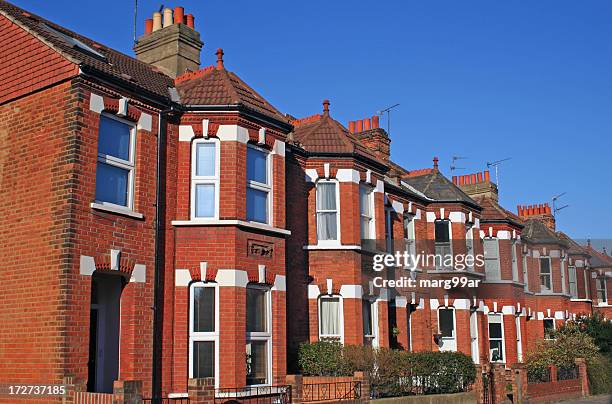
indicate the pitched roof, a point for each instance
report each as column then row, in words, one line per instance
column 492, row 211
column 537, row 232
column 436, row 186
column 90, row 55
column 574, row 247
column 217, row 86
column 598, row 259
column 322, row 134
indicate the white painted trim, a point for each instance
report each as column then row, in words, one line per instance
column 401, row 302
column 398, row 207
column 331, row 247
column 313, row 291
column 340, row 317
column 262, row 135
column 380, row 187
column 205, row 126
column 112, row 208
column 280, row 283
column 431, row 217
column 204, row 336
column 351, row 291
column 182, row 277
column 213, row 180
column 145, row 122
column 139, row 273
column 230, row 222
column 186, row 133
column 279, row 148
column 232, row 278
column 233, row 133
column 457, row 217
column 87, row 265
column 123, row 107
column 96, row 103
column 311, row 174
column 348, row 175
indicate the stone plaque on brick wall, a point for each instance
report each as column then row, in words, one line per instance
column 259, row 249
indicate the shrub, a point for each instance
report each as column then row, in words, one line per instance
column 392, row 372
column 600, row 375
column 597, row 327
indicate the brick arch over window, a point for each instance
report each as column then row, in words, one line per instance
column 112, row 105
column 103, row 264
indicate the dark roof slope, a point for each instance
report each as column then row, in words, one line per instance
column 574, row 247
column 598, row 259
column 436, row 186
column 98, row 58
column 492, row 211
column 217, row 86
column 538, row 233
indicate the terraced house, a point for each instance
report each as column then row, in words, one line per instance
column 164, row 222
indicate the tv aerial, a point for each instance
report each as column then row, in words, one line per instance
column 388, row 112
column 496, row 164
column 556, row 208
column 454, row 159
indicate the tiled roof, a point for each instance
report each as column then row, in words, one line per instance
column 436, row 186
column 535, row 231
column 323, row 134
column 574, row 247
column 217, row 86
column 598, row 259
column 491, row 210
column 111, row 63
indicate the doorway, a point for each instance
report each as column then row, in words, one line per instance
column 104, row 323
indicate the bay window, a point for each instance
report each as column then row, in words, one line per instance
column 513, row 245
column 259, row 335
column 409, row 238
column 259, row 185
column 366, row 208
column 572, row 281
column 497, row 346
column 545, row 275
column 116, row 162
column 330, row 318
column 327, row 210
column 491, row 257
column 205, row 179
column 203, row 331
column 602, row 295
column 442, row 243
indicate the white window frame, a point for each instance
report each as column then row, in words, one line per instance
column 336, row 241
column 371, row 219
column 204, row 336
column 410, row 236
column 268, row 188
column 488, row 272
column 389, row 242
column 446, row 247
column 598, row 282
column 374, row 311
column 519, row 339
column 514, row 257
column 474, row 339
column 469, row 246
column 338, row 337
column 497, row 318
column 573, row 286
column 453, row 337
column 542, row 287
column 587, row 289
column 205, row 180
column 129, row 165
column 526, row 272
column 553, row 323
column 562, row 267
column 263, row 336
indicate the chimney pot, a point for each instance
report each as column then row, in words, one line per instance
column 360, row 125
column 220, row 54
column 367, row 124
column 190, row 21
column 352, row 126
column 518, row 210
column 487, row 176
column 479, row 177
column 148, row 25
column 547, row 209
column 455, row 179
column 375, row 122
column 325, row 107
column 157, row 21
column 461, row 179
column 435, row 163
column 473, row 178
column 167, row 17
column 179, row 15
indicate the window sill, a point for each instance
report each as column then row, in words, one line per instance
column 603, row 305
column 224, row 222
column 331, row 247
column 116, row 209
column 575, row 299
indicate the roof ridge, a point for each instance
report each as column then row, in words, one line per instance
column 187, row 76
column 306, row 120
column 419, row 172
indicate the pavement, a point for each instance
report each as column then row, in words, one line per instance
column 603, row 399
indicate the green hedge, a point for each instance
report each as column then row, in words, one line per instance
column 392, row 372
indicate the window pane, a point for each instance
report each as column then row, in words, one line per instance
column 114, row 138
column 205, row 200
column 365, row 228
column 256, row 362
column 257, row 205
column 330, row 317
column 205, row 159
column 112, row 184
column 446, row 318
column 203, row 359
column 544, row 265
column 364, row 200
column 495, row 330
column 256, row 310
column 367, row 317
column 491, row 248
column 441, row 231
column 256, row 165
column 327, row 226
column 203, row 309
column 497, row 353
column 326, row 196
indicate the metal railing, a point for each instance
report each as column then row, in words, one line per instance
column 333, row 391
column 254, row 395
column 570, row 373
column 540, row 376
column 166, row 400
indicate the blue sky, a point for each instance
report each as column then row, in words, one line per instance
column 531, row 80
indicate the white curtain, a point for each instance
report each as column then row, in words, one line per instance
column 327, row 227
column 330, row 316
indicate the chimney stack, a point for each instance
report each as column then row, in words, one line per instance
column 170, row 42
column 352, row 126
column 372, row 136
column 541, row 212
column 360, row 125
column 477, row 185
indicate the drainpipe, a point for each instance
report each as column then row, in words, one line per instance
column 160, row 245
